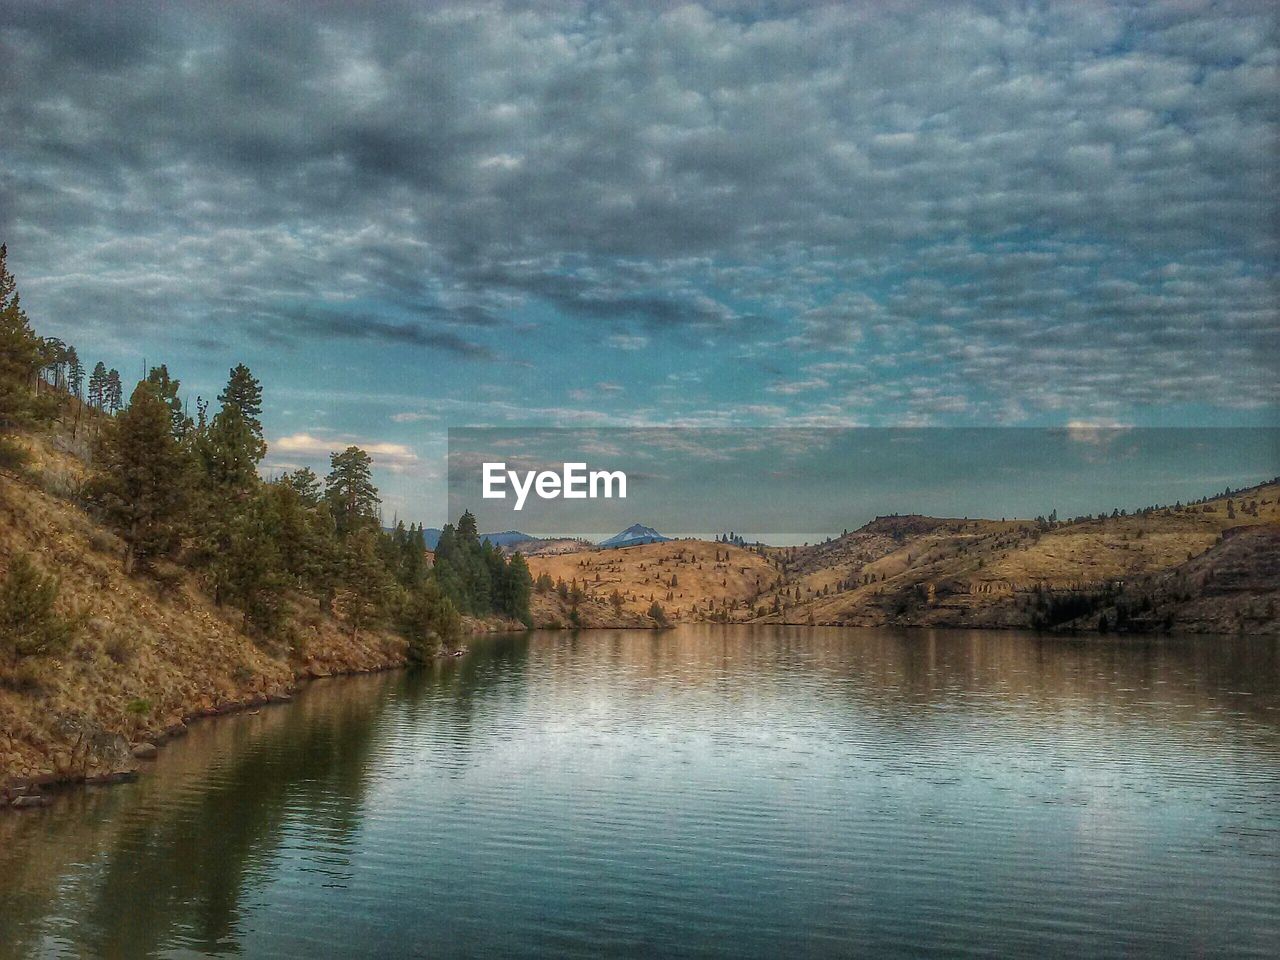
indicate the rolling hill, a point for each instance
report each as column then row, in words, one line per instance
column 1213, row 566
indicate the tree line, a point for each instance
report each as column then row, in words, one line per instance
column 185, row 492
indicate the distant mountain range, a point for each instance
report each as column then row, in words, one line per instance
column 506, row 538
column 633, row 536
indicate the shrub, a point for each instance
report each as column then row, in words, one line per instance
column 12, row 457
column 28, row 623
column 104, row 542
column 21, row 677
column 63, row 484
column 120, row 649
column 169, row 579
column 659, row 615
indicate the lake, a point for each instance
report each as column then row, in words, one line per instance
column 706, row 791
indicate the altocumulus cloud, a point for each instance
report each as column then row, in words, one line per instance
column 307, row 448
column 996, row 210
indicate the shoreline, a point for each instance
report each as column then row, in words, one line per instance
column 34, row 792
column 27, row 793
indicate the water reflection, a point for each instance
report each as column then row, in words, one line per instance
column 708, row 790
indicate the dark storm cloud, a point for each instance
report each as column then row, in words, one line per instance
column 1068, row 206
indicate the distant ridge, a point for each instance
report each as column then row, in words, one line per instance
column 634, row 536
column 505, row 538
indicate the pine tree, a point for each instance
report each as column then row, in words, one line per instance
column 113, row 391
column 518, row 585
column 250, row 570
column 166, row 390
column 53, row 361
column 142, row 479
column 366, row 583
column 467, row 532
column 305, row 483
column 349, row 489
column 245, row 393
column 98, row 386
column 20, row 358
column 304, row 537
column 28, row 623
column 658, row 615
column 75, row 374
column 429, row 621
column 228, row 452
column 414, row 560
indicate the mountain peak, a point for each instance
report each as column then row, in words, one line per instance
column 634, row 535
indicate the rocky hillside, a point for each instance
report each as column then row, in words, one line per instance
column 1210, row 567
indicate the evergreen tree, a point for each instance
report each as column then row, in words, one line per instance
column 349, row 489
column 467, row 532
column 166, row 390
column 658, row 615
column 304, row 537
column 113, row 391
column 20, row 358
column 305, row 484
column 464, row 567
column 250, row 570
column 75, row 374
column 141, row 483
column 429, row 621
column 245, row 393
column 229, row 452
column 28, row 623
column 75, row 383
column 413, row 563
column 516, row 585
column 53, row 361
column 98, row 386
column 366, row 583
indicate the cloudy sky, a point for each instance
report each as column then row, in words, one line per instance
column 406, row 217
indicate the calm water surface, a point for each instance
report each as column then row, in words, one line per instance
column 709, row 791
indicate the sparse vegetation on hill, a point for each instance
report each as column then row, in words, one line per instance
column 147, row 571
column 1150, row 570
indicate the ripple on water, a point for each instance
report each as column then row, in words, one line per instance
column 706, row 792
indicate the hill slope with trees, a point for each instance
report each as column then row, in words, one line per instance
column 149, row 573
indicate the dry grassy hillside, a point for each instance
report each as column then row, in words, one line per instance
column 690, row 579
column 150, row 652
column 976, row 573
column 947, row 572
column 547, row 547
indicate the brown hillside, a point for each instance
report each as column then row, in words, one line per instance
column 147, row 656
column 709, row 578
column 918, row 570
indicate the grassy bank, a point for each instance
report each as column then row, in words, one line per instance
column 149, row 652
